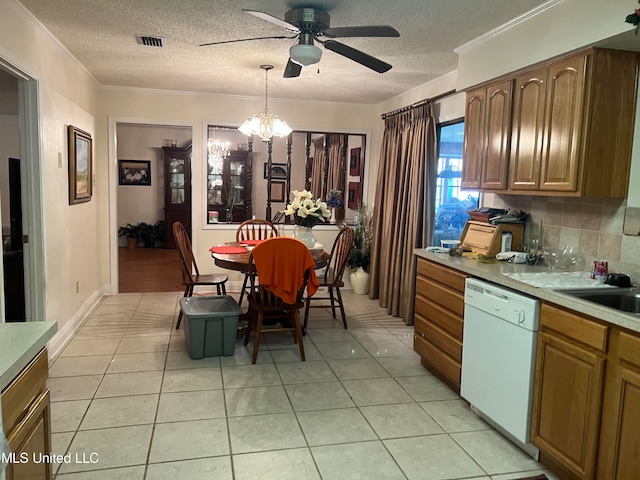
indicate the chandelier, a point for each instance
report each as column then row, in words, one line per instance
column 265, row 124
column 218, row 148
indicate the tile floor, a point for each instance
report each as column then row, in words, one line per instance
column 360, row 407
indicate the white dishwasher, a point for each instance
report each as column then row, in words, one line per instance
column 498, row 358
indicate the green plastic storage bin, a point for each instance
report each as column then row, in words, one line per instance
column 210, row 325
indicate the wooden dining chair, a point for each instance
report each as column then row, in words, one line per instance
column 254, row 229
column 188, row 266
column 332, row 276
column 286, row 270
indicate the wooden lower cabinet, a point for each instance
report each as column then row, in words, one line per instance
column 27, row 422
column 619, row 456
column 586, row 405
column 438, row 320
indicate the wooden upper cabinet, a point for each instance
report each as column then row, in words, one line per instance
column 487, row 131
column 528, row 125
column 565, row 108
column 474, row 138
column 571, row 131
column 498, row 127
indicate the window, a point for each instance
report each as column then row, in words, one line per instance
column 452, row 203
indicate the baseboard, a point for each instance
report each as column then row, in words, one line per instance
column 62, row 338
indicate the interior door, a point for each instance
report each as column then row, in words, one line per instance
column 12, row 257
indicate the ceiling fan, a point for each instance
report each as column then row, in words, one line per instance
column 312, row 25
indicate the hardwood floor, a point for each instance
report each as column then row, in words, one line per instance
column 149, row 270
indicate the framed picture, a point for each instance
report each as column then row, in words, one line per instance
column 277, row 191
column 353, row 199
column 354, row 162
column 278, row 171
column 80, row 147
column 134, row 172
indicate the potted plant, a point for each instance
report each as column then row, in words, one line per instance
column 152, row 236
column 132, row 232
column 360, row 256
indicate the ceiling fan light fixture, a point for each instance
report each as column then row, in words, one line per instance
column 265, row 124
column 304, row 54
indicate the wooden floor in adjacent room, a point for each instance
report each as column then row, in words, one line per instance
column 149, row 270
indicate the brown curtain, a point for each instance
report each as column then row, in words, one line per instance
column 317, row 167
column 336, row 170
column 404, row 201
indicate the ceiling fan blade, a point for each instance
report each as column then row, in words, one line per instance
column 272, row 19
column 244, row 40
column 357, row 56
column 367, row 31
column 292, row 70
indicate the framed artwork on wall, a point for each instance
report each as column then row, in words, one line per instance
column 277, row 191
column 278, row 171
column 134, row 172
column 80, row 154
column 353, row 199
column 354, row 162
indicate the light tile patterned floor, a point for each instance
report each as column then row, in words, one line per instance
column 360, row 407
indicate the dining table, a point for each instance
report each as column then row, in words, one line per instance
column 235, row 256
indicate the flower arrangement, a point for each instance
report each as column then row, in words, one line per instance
column 335, row 199
column 634, row 19
column 305, row 210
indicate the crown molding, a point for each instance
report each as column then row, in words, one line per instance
column 510, row 24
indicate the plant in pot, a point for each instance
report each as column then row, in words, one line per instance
column 360, row 255
column 152, row 236
column 132, row 232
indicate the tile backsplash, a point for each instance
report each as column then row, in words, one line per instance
column 603, row 229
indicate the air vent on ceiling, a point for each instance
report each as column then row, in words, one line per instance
column 149, row 41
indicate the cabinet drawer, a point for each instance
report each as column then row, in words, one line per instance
column 629, row 348
column 23, row 391
column 440, row 274
column 438, row 359
column 441, row 339
column 574, row 326
column 444, row 318
column 440, row 294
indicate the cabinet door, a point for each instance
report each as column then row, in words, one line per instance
column 527, row 130
column 564, row 111
column 620, row 437
column 474, row 139
column 566, row 404
column 31, row 438
column 498, row 131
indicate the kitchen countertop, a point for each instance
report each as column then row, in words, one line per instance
column 19, row 344
column 496, row 273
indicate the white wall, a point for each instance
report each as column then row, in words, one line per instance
column 202, row 109
column 66, row 97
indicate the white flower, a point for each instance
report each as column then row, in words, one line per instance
column 307, row 208
column 303, row 195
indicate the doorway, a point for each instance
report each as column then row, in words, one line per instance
column 133, row 139
column 22, row 296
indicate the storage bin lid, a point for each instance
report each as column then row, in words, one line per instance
column 213, row 306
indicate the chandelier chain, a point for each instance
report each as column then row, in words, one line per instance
column 266, row 89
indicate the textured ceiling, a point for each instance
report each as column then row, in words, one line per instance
column 101, row 35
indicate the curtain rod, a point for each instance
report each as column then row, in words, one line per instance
column 418, row 104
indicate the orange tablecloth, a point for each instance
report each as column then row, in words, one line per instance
column 227, row 249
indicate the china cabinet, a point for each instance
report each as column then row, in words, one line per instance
column 177, row 191
column 229, row 187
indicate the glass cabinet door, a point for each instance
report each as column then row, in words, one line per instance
column 177, row 181
column 215, row 180
column 236, row 177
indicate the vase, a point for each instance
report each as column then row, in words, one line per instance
column 359, row 280
column 333, row 215
column 305, row 235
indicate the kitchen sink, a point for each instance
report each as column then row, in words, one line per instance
column 623, row 299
